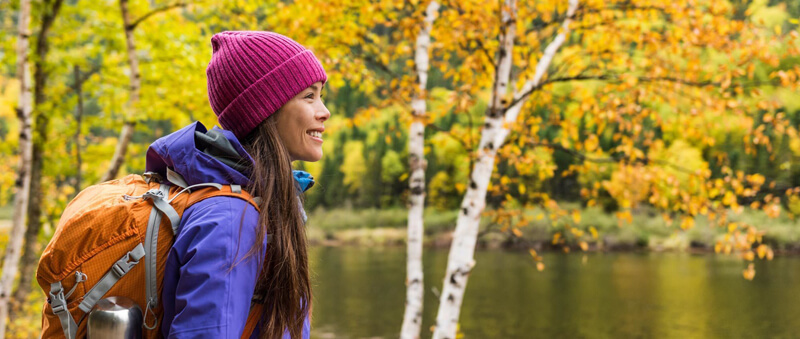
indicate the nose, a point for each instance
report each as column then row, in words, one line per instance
column 323, row 113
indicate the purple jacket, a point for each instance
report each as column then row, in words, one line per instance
column 205, row 295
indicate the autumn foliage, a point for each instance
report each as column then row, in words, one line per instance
column 685, row 109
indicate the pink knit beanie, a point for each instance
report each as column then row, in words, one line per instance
column 252, row 74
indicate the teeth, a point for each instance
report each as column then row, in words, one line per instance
column 316, row 134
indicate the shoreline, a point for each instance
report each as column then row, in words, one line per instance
column 395, row 238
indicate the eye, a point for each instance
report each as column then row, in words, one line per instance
column 310, row 96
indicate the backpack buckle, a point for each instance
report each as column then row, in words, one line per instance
column 124, row 264
column 152, row 176
column 154, row 194
column 57, row 308
column 118, row 269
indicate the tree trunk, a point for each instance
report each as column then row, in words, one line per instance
column 498, row 122
column 126, row 134
column 412, row 318
column 22, row 185
column 460, row 259
column 30, row 254
column 78, row 122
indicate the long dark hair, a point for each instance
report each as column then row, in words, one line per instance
column 283, row 285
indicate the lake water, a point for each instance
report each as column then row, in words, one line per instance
column 360, row 292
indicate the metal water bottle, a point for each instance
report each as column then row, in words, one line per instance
column 115, row 318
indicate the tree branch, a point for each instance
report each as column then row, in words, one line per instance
column 611, row 159
column 611, row 77
column 621, row 7
column 154, row 12
column 84, row 76
column 361, row 54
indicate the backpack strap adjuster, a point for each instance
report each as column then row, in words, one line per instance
column 130, row 259
column 59, row 307
column 117, row 271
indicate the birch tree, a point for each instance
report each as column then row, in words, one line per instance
column 125, row 135
column 22, row 186
column 41, row 126
column 593, row 41
column 460, row 259
column 412, row 317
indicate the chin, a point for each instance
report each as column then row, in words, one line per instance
column 311, row 157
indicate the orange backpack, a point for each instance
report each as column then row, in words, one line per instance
column 112, row 240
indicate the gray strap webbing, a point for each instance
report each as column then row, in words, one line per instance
column 151, row 256
column 160, row 202
column 176, row 178
column 117, row 271
column 59, row 305
column 236, row 188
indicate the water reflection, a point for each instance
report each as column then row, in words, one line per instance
column 360, row 292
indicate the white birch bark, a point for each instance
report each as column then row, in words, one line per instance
column 126, row 134
column 412, row 317
column 25, row 113
column 498, row 122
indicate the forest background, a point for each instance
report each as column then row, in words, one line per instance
column 628, row 145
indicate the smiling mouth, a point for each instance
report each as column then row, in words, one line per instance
column 315, row 134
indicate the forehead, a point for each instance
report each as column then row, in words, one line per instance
column 316, row 86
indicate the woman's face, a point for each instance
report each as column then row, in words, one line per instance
column 300, row 124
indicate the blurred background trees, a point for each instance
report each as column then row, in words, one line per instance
column 687, row 111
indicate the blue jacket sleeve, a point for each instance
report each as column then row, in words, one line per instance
column 208, row 281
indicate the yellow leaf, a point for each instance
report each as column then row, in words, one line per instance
column 625, row 216
column 729, row 199
column 540, row 266
column 777, row 29
column 732, row 227
column 576, row 216
column 749, row 256
column 750, row 272
column 556, row 237
column 584, row 246
column 521, row 189
column 687, row 223
column 591, row 143
column 762, row 251
column 593, row 231
column 516, row 232
column 532, row 252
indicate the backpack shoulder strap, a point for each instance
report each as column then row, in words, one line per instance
column 226, row 190
column 252, row 320
column 256, row 310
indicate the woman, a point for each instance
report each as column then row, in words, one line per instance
column 265, row 90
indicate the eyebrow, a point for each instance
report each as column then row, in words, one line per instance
column 314, row 87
